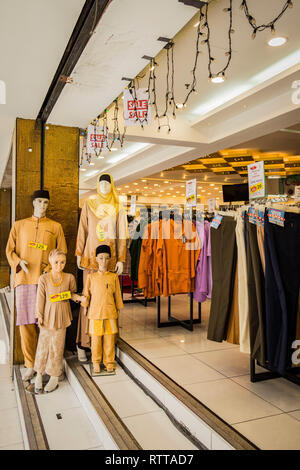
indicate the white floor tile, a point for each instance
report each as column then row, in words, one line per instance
column 4, row 371
column 185, row 369
column 152, row 348
column 107, row 379
column 279, row 392
column 18, row 446
column 274, row 433
column 10, row 428
column 128, row 399
column 198, row 342
column 230, row 401
column 73, row 432
column 217, row 443
column 229, row 362
column 295, row 414
column 155, row 431
column 61, row 399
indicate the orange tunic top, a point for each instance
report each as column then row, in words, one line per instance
column 29, row 231
column 103, row 296
column 93, row 231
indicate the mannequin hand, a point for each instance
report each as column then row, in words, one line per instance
column 78, row 298
column 41, row 322
column 78, row 263
column 119, row 267
column 23, row 264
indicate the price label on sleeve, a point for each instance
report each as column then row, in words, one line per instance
column 59, row 297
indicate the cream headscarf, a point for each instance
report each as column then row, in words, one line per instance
column 105, row 204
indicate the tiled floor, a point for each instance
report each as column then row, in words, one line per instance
column 217, row 374
column 144, row 418
column 10, row 427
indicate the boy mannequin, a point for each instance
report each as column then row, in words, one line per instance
column 104, row 299
column 29, row 244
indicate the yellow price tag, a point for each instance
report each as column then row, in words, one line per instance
column 256, row 187
column 191, row 198
column 59, row 297
column 100, row 233
column 38, row 246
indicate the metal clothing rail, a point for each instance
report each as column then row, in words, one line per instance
column 172, row 321
column 135, row 300
column 293, row 374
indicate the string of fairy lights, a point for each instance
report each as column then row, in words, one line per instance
column 169, row 104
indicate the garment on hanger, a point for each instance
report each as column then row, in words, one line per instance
column 256, row 295
column 282, row 252
column 224, row 254
column 203, row 280
column 233, row 334
column 244, row 332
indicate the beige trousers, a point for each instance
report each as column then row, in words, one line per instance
column 242, row 286
column 50, row 352
column 103, row 347
column 29, row 339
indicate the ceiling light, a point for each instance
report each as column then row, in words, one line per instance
column 126, row 186
column 135, row 184
column 144, row 181
column 161, row 191
column 274, row 177
column 182, row 186
column 177, row 192
column 168, row 194
column 217, row 79
column 155, row 184
column 118, row 189
column 212, row 184
column 275, row 42
column 166, row 182
column 29, row 149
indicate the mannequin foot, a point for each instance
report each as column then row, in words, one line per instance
column 52, row 384
column 110, row 368
column 29, row 374
column 38, row 386
column 96, row 368
column 81, row 355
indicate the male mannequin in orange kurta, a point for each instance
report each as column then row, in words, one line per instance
column 29, row 244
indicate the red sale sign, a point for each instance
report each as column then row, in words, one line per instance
column 95, row 139
column 136, row 107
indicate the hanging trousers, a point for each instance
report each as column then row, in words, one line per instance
column 282, row 252
column 256, row 295
column 224, row 255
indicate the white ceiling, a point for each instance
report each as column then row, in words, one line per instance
column 253, row 101
column 33, row 37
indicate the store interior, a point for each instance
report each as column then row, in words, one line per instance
column 218, row 124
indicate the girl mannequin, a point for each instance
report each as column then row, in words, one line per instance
column 54, row 316
column 104, row 299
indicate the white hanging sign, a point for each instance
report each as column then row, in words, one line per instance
column 136, row 111
column 96, row 139
column 256, row 180
column 191, row 193
column 133, row 205
column 297, row 194
column 211, row 205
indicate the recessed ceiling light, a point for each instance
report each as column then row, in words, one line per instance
column 182, row 186
column 144, row 181
column 275, row 42
column 166, row 182
column 29, row 149
column 171, row 188
column 135, row 184
column 126, row 186
column 155, row 184
column 217, row 79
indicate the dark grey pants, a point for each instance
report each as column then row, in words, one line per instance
column 224, row 255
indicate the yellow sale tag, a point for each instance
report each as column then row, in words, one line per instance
column 59, row 297
column 100, row 233
column 39, row 246
column 191, row 198
column 256, row 187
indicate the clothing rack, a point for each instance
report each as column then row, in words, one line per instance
column 293, row 374
column 172, row 321
column 134, row 300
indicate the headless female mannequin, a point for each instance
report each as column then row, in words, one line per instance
column 102, row 220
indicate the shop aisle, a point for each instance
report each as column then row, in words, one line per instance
column 217, row 374
column 10, row 426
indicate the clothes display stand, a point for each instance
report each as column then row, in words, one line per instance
column 172, row 321
column 293, row 374
column 134, row 300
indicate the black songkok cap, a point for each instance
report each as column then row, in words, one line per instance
column 41, row 193
column 105, row 177
column 103, row 249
